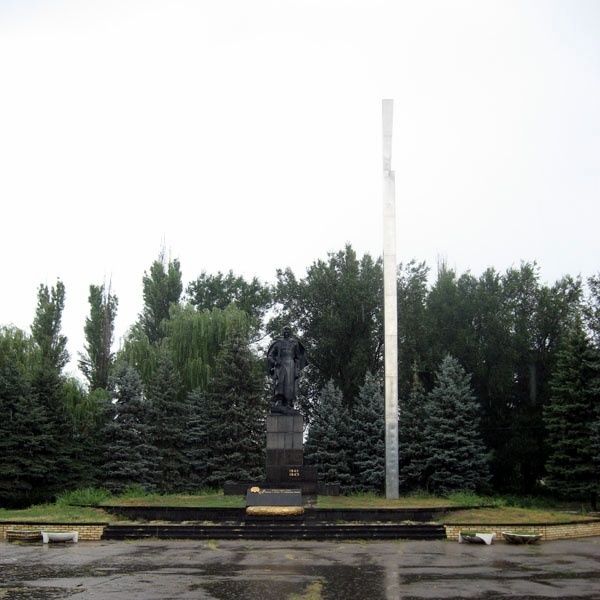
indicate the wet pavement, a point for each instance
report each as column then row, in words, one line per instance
column 228, row 570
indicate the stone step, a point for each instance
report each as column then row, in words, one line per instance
column 272, row 531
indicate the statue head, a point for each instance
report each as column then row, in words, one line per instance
column 287, row 332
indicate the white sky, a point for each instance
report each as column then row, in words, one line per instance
column 246, row 135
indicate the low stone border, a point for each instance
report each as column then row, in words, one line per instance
column 549, row 531
column 87, row 531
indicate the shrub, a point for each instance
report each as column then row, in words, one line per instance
column 88, row 496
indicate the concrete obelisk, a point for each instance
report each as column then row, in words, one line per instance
column 390, row 306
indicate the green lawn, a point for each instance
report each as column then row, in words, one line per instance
column 510, row 514
column 56, row 513
column 495, row 510
column 205, row 500
column 376, row 501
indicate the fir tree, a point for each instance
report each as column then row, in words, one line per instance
column 595, row 448
column 328, row 443
column 571, row 417
column 412, row 441
column 198, row 451
column 368, row 434
column 456, row 455
column 234, row 409
column 128, row 456
column 168, row 421
column 24, row 425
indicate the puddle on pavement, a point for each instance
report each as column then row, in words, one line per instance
column 287, row 582
column 32, row 593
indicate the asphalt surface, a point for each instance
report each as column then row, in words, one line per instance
column 227, row 570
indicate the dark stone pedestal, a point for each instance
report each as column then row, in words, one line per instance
column 285, row 455
column 274, row 497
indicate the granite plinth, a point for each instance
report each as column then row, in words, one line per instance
column 280, row 440
column 285, row 424
column 285, row 454
column 278, row 457
column 274, row 497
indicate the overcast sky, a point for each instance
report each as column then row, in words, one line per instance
column 246, row 135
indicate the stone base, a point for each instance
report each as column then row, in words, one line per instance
column 274, row 497
column 282, row 457
column 285, row 454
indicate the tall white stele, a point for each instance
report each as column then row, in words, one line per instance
column 390, row 306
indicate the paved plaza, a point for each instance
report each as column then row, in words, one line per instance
column 228, row 570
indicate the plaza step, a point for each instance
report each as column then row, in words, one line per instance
column 277, row 531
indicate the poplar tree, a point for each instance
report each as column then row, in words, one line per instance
column 162, row 288
column 54, row 453
column 456, row 455
column 368, row 437
column 328, row 442
column 96, row 361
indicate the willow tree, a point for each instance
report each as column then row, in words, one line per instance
column 192, row 339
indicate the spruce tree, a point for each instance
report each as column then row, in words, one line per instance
column 24, row 425
column 128, row 456
column 595, row 448
column 570, row 418
column 198, row 450
column 168, row 421
column 234, row 409
column 412, row 440
column 328, row 443
column 456, row 455
column 368, row 436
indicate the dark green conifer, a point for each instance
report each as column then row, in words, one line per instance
column 198, row 450
column 328, row 443
column 234, row 409
column 570, row 418
column 412, row 440
column 169, row 416
column 368, row 437
column 129, row 459
column 24, row 425
column 456, row 455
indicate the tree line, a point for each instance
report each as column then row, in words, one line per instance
column 499, row 382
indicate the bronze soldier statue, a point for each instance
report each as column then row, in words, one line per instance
column 286, row 358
